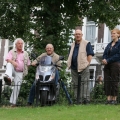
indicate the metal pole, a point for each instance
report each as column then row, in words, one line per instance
column 79, row 88
column 0, row 89
column 37, row 91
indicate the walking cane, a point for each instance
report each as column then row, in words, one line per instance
column 66, row 92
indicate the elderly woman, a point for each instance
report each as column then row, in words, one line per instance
column 111, row 60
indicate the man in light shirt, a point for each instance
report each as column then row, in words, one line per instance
column 17, row 67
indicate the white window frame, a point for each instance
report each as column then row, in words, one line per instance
column 93, row 35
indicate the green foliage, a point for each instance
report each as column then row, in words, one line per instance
column 6, row 95
column 105, row 11
column 97, row 94
column 118, row 97
column 52, row 20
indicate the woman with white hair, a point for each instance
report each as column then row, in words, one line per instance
column 17, row 67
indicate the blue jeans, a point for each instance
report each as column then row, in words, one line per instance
column 33, row 87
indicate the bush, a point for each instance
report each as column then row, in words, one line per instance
column 97, row 94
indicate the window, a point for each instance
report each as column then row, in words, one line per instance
column 10, row 45
column 91, row 81
column 91, row 73
column 90, row 31
column 109, row 36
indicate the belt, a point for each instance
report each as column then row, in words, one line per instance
column 19, row 71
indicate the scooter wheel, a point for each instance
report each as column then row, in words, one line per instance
column 43, row 97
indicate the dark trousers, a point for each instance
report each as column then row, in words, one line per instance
column 111, row 78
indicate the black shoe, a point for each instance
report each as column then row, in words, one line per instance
column 85, row 101
column 108, row 102
column 7, row 80
column 114, row 102
column 29, row 104
column 13, row 105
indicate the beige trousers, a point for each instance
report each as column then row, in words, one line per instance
column 18, row 77
column 85, row 84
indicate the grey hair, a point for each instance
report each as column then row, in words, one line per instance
column 50, row 45
column 99, row 76
column 14, row 44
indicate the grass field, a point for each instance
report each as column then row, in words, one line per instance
column 56, row 112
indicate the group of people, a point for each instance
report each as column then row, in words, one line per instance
column 79, row 58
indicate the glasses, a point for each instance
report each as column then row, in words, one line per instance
column 78, row 34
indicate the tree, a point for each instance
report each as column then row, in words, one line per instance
column 53, row 20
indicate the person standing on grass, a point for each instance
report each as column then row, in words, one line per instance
column 17, row 67
column 111, row 60
column 79, row 59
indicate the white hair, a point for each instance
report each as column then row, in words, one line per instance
column 14, row 44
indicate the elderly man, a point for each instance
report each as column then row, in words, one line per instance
column 17, row 67
column 55, row 57
column 79, row 59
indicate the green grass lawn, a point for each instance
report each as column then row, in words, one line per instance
column 56, row 112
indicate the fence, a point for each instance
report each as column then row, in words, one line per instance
column 6, row 91
column 89, row 90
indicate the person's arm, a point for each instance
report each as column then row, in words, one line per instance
column 104, row 61
column 28, row 62
column 36, row 61
column 90, row 52
column 12, row 62
column 59, row 64
column 89, row 58
column 115, row 57
column 55, row 59
column 9, row 59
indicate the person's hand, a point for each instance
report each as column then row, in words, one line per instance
column 104, row 61
column 33, row 64
column 14, row 64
